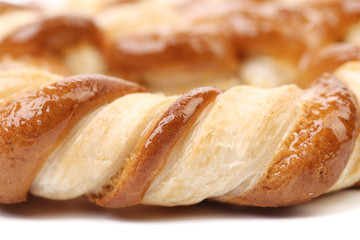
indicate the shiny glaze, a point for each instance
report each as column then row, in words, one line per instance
column 50, row 35
column 182, row 51
column 130, row 184
column 255, row 27
column 327, row 60
column 237, row 27
column 278, row 30
column 33, row 124
column 312, row 157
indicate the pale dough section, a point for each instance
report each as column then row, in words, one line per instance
column 229, row 147
column 267, row 72
column 84, row 58
column 98, row 147
column 353, row 35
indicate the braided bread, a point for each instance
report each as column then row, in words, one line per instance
column 82, row 136
column 178, row 45
column 65, row 135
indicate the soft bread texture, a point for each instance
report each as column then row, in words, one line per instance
column 267, row 72
column 130, row 184
column 98, row 147
column 101, row 137
column 219, row 154
column 303, row 167
column 248, row 146
column 33, row 123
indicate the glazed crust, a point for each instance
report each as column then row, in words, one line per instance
column 312, row 157
column 238, row 28
column 179, row 46
column 215, row 38
column 129, row 185
column 143, row 53
column 327, row 60
column 33, row 124
column 307, row 162
column 51, row 35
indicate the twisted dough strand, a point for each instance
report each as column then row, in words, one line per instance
column 146, row 148
column 188, row 43
column 130, row 184
column 33, row 124
column 310, row 161
column 203, row 33
column 248, row 146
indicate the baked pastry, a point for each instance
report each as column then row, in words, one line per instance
column 173, row 46
column 156, row 40
column 65, row 135
column 265, row 147
column 35, row 37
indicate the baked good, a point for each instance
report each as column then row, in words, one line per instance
column 173, row 46
column 65, row 135
column 247, row 145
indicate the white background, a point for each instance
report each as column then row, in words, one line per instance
column 334, row 215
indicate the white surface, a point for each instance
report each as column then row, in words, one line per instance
column 333, row 215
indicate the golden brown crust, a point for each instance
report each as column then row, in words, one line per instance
column 129, row 185
column 51, row 35
column 43, row 43
column 225, row 31
column 253, row 27
column 236, row 27
column 198, row 50
column 308, row 26
column 327, row 60
column 32, row 125
column 312, row 157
